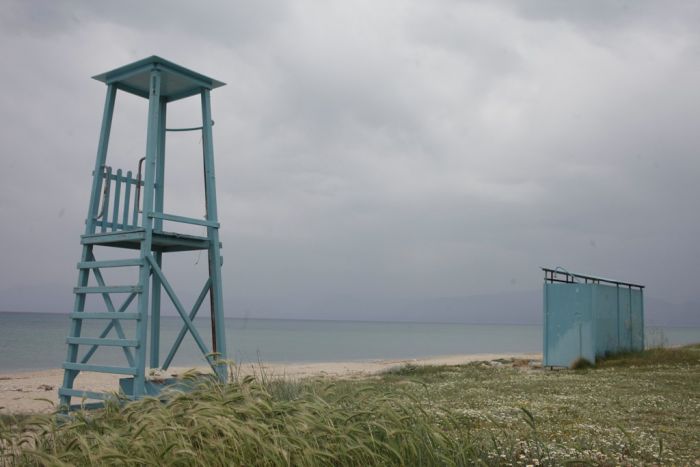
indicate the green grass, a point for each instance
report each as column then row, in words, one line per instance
column 688, row 355
column 244, row 424
column 635, row 408
column 631, row 409
column 12, row 419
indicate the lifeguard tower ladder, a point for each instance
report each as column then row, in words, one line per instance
column 134, row 221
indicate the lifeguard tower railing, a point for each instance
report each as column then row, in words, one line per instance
column 588, row 316
column 120, row 220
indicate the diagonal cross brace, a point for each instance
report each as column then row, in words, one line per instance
column 114, row 323
column 195, row 309
column 109, row 327
column 181, row 310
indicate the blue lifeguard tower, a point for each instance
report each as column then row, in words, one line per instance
column 126, row 212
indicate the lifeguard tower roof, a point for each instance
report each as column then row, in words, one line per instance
column 177, row 82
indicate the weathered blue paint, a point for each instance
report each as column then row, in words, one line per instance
column 180, row 82
column 215, row 259
column 108, row 289
column 100, row 368
column 184, row 220
column 162, row 241
column 119, row 218
column 589, row 317
column 110, row 308
column 181, row 310
column 158, row 225
column 152, row 137
column 127, row 198
column 114, row 263
column 103, row 315
column 155, row 387
column 83, row 275
column 183, row 331
column 107, row 342
column 85, row 394
column 104, row 212
column 117, row 198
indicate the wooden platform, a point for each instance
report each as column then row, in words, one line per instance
column 162, row 241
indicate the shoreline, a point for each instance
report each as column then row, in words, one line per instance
column 22, row 391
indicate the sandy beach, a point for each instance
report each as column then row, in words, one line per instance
column 35, row 391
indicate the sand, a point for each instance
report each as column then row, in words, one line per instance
column 36, row 391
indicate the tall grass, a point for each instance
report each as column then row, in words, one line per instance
column 243, row 424
column 628, row 410
column 686, row 355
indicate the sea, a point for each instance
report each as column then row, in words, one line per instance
column 36, row 341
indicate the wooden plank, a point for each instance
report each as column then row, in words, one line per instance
column 137, row 200
column 116, row 227
column 108, row 289
column 162, row 241
column 100, row 368
column 114, row 323
column 101, row 396
column 105, row 332
column 181, row 310
column 182, row 241
column 107, row 342
column 79, row 304
column 193, row 314
column 87, row 406
column 105, row 200
column 136, row 235
column 117, row 198
column 127, row 200
column 215, row 294
column 128, row 234
column 114, row 263
column 184, row 220
column 104, row 315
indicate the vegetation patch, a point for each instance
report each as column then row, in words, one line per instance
column 687, row 355
column 582, row 364
column 632, row 409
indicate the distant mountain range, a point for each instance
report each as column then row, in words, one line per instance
column 523, row 307
column 506, row 308
column 526, row 308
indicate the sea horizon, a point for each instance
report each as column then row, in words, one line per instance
column 36, row 340
column 386, row 321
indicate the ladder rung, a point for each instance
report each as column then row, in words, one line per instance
column 108, row 289
column 98, row 341
column 100, row 368
column 88, row 406
column 102, row 396
column 116, row 263
column 104, row 315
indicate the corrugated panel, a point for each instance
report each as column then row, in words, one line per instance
column 637, row 318
column 589, row 321
column 569, row 333
column 624, row 320
column 605, row 316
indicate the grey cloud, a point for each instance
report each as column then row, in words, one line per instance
column 594, row 17
column 229, row 23
column 393, row 151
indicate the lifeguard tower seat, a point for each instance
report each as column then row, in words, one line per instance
column 127, row 212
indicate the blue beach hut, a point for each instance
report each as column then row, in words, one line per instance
column 586, row 317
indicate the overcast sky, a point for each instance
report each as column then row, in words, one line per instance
column 370, row 150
